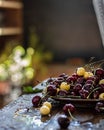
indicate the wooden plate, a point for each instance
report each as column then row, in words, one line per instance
column 79, row 102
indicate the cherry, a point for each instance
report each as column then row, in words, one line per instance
column 101, row 81
column 68, row 107
column 51, row 90
column 91, row 78
column 63, row 121
column 97, row 78
column 101, row 95
column 101, row 86
column 81, row 80
column 73, row 93
column 75, row 76
column 49, row 80
column 96, row 94
column 83, row 93
column 77, row 87
column 89, row 82
column 99, row 72
column 36, row 100
column 62, row 92
column 58, row 81
column 63, row 75
column 70, row 79
column 88, row 87
column 55, row 83
column 99, row 106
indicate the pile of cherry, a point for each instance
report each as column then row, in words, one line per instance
column 82, row 84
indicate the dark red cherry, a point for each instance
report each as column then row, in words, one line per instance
column 59, row 80
column 99, row 72
column 51, row 90
column 75, row 76
column 94, row 80
column 91, row 78
column 96, row 94
column 55, row 83
column 63, row 75
column 63, row 121
column 77, row 87
column 97, row 79
column 68, row 107
column 81, row 80
column 62, row 93
column 99, row 106
column 88, row 87
column 36, row 100
column 84, row 93
column 101, row 86
column 50, row 80
column 70, row 79
column 73, row 93
column 89, row 82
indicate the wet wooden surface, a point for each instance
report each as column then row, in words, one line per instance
column 21, row 114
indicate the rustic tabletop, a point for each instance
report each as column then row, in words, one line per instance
column 20, row 114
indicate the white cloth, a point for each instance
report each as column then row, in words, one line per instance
column 99, row 11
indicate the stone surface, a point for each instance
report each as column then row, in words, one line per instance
column 21, row 115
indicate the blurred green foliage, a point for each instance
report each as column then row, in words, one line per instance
column 19, row 65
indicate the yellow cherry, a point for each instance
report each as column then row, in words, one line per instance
column 80, row 71
column 48, row 104
column 44, row 110
column 65, row 86
column 101, row 81
column 88, row 74
column 101, row 96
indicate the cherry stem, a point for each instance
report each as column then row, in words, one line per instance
column 69, row 96
column 72, row 117
column 92, row 92
column 42, row 99
column 91, row 65
column 97, row 62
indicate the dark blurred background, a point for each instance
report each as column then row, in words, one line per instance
column 62, row 34
column 68, row 28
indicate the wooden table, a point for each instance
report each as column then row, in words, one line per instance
column 21, row 115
